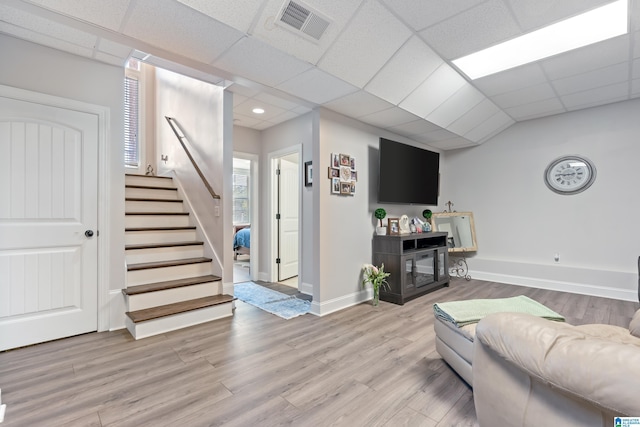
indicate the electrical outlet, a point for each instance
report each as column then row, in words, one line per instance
column 216, row 210
column 556, row 257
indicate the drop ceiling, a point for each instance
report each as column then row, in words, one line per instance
column 383, row 62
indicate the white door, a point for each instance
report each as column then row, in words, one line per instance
column 48, row 200
column 289, row 190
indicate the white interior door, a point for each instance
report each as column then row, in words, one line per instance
column 48, row 200
column 289, row 193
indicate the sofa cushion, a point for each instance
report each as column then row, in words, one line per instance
column 634, row 326
column 594, row 368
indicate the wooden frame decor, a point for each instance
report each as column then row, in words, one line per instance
column 343, row 175
column 394, row 226
column 308, row 174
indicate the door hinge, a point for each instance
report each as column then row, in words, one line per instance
column 277, row 216
column 277, row 171
column 277, row 260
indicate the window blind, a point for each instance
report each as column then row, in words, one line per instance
column 131, row 151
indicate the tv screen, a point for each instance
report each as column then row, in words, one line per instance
column 408, row 175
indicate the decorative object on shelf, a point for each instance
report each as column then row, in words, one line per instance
column 343, row 174
column 377, row 277
column 449, row 204
column 394, row 226
column 569, row 174
column 308, row 174
column 404, row 224
column 427, row 214
column 150, row 171
column 380, row 214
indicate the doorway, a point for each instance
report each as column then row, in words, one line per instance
column 245, row 217
column 286, row 217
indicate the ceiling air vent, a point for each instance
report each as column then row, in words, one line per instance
column 304, row 19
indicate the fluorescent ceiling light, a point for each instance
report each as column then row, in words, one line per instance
column 258, row 110
column 591, row 27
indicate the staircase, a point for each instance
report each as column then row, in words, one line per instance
column 170, row 284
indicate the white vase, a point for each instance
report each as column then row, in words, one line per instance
column 381, row 231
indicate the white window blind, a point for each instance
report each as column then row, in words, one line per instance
column 131, row 149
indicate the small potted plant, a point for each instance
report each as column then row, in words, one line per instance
column 377, row 277
column 380, row 214
column 427, row 214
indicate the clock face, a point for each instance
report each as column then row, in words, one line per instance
column 569, row 174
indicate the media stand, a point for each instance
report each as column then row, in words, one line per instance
column 417, row 263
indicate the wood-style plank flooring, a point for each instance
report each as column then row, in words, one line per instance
column 362, row 366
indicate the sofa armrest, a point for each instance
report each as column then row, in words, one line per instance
column 597, row 370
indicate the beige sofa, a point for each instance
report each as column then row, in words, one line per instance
column 529, row 371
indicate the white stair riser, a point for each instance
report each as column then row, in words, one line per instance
column 148, row 181
column 135, row 221
column 170, row 296
column 145, row 206
column 149, row 193
column 136, row 256
column 153, row 275
column 162, row 236
column 178, row 321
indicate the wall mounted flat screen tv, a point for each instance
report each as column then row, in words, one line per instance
column 407, row 174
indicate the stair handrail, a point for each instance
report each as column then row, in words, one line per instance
column 181, row 137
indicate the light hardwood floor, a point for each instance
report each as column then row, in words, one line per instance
column 363, row 366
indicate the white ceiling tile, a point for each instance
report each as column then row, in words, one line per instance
column 408, row 68
column 300, row 110
column 456, row 106
column 536, row 109
column 255, row 60
column 436, row 135
column 238, row 99
column 634, row 12
column 539, row 13
column 472, row 30
column 277, row 101
column 263, row 125
column 317, row 86
column 511, row 80
column 110, row 59
column 440, row 85
column 636, row 43
column 588, row 58
column 388, row 118
column 602, row 77
column 113, row 48
column 453, row 143
column 289, row 40
column 283, row 117
column 371, row 38
column 420, row 14
column 43, row 40
column 108, row 14
column 489, row 128
column 596, row 96
column 417, row 127
column 238, row 14
column 527, row 95
column 478, row 114
column 246, row 109
column 635, row 73
column 248, row 92
column 358, row 104
column 245, row 121
column 47, row 27
column 198, row 37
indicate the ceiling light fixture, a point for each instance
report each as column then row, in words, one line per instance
column 581, row 30
column 258, row 110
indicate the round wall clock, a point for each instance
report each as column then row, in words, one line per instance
column 569, row 174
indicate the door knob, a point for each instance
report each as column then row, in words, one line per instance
column 88, row 233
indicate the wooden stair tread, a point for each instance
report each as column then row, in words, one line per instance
column 145, row 199
column 170, row 284
column 156, row 213
column 150, row 187
column 187, row 227
column 162, row 245
column 147, row 176
column 178, row 307
column 161, row 264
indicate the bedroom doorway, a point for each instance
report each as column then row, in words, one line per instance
column 244, row 211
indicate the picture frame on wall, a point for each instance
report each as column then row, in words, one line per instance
column 334, row 173
column 353, row 188
column 394, row 226
column 335, row 160
column 308, row 174
column 345, row 160
column 352, row 160
column 335, row 185
column 345, row 188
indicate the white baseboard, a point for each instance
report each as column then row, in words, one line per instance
column 117, row 308
column 331, row 306
column 3, row 408
column 305, row 288
column 585, row 281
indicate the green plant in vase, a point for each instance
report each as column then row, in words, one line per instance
column 427, row 214
column 380, row 214
column 378, row 279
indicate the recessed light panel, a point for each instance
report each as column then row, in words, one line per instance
column 591, row 27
